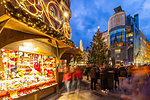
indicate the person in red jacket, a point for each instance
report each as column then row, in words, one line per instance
column 74, row 79
column 79, row 77
column 67, row 78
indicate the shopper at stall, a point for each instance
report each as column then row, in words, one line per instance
column 67, row 78
column 93, row 77
column 74, row 79
column 79, row 77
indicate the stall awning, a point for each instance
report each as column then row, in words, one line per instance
column 13, row 24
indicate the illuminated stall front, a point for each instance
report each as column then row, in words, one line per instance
column 34, row 34
column 25, row 67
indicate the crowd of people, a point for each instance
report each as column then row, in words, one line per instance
column 124, row 77
column 72, row 79
column 121, row 73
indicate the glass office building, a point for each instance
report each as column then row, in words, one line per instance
column 124, row 37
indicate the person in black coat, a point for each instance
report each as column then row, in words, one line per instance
column 116, row 77
column 87, row 72
column 93, row 77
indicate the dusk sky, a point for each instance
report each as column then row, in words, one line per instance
column 87, row 15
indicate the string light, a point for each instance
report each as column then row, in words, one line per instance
column 45, row 11
column 31, row 21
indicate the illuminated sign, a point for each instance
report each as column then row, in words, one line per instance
column 36, row 50
column 27, row 49
column 53, row 12
column 117, row 50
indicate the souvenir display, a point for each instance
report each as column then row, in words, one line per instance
column 24, row 72
column 62, row 64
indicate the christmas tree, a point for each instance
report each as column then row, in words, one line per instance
column 99, row 51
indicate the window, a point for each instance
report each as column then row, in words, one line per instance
column 130, row 34
column 118, row 56
column 120, row 44
column 117, row 50
column 52, row 11
column 117, row 35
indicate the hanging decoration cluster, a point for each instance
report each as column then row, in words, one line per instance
column 62, row 31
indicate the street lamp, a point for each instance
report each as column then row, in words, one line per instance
column 65, row 14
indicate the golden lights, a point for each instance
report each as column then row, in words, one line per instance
column 43, row 10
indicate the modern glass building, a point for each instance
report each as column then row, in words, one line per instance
column 124, row 36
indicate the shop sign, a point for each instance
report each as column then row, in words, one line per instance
column 33, row 50
column 27, row 49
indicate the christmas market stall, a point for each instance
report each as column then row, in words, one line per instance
column 34, row 34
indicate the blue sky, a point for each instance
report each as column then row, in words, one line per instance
column 87, row 15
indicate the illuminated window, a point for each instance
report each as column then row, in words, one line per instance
column 131, row 39
column 117, row 56
column 120, row 44
column 52, row 11
column 130, row 34
column 117, row 50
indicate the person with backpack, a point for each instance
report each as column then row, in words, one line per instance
column 122, row 77
column 67, row 78
column 93, row 77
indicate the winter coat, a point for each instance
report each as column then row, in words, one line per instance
column 67, row 76
column 129, row 71
column 87, row 70
column 116, row 74
column 122, row 72
column 93, row 73
column 78, row 74
column 74, row 76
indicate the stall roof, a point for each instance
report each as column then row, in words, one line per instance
column 15, row 24
column 74, row 51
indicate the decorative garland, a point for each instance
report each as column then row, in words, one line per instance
column 23, row 16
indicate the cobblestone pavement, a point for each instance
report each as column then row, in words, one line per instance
column 85, row 94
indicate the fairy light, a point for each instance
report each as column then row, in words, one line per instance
column 65, row 14
column 45, row 10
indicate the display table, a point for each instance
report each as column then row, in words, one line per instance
column 35, row 93
column 41, row 93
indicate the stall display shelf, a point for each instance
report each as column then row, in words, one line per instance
column 26, row 73
column 15, row 93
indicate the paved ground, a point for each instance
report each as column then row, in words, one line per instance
column 85, row 94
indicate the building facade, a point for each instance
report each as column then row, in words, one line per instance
column 142, row 49
column 105, row 35
column 124, row 34
column 147, row 52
